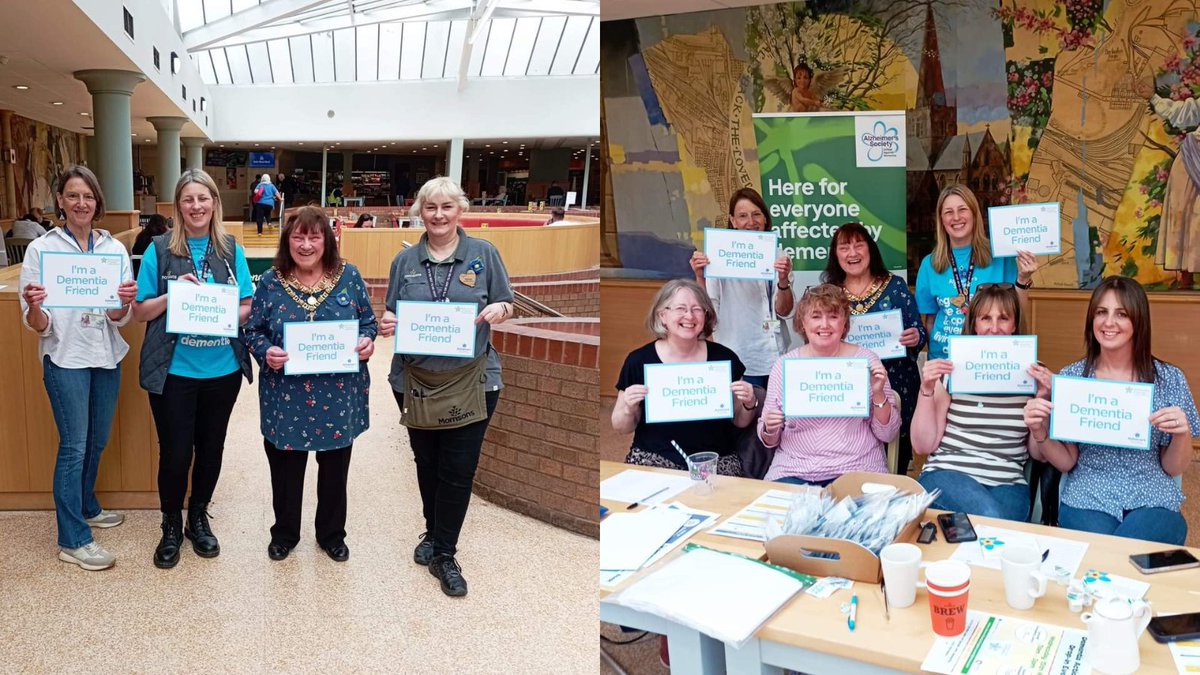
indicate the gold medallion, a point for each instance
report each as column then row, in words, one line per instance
column 959, row 300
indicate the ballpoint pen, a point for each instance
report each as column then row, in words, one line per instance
column 1045, row 554
column 853, row 612
column 883, row 588
column 649, row 496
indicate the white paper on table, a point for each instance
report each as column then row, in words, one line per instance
column 826, row 387
column 1025, row 227
column 1104, row 585
column 1186, row 653
column 685, row 392
column 879, row 332
column 1106, row 412
column 740, row 254
column 751, row 522
column 643, row 487
column 992, row 364
column 627, row 540
column 1066, row 555
column 697, row 521
column 730, row 611
column 1001, row 645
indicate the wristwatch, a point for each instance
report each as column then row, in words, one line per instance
column 1024, row 287
column 879, row 406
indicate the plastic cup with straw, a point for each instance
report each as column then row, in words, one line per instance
column 701, row 467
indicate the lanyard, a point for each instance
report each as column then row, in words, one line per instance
column 91, row 243
column 439, row 294
column 963, row 286
column 202, row 273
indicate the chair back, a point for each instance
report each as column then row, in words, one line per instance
column 15, row 248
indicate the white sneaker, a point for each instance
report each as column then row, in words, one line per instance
column 91, row 557
column 106, row 519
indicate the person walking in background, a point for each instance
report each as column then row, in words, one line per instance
column 81, row 352
column 264, row 201
column 320, row 413
column 193, row 381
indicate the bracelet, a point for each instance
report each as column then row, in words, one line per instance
column 1024, row 287
column 924, row 394
column 785, row 288
column 749, row 407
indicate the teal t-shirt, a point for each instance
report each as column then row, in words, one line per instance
column 935, row 290
column 197, row 356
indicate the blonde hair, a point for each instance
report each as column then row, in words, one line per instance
column 216, row 232
column 981, row 248
column 439, row 186
column 828, row 297
column 654, row 322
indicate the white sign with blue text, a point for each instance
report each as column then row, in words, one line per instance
column 738, row 254
column 1025, row 227
column 879, row 332
column 1104, row 412
column 683, row 392
column 317, row 347
column 81, row 280
column 202, row 309
column 436, row 328
column 826, row 387
column 992, row 364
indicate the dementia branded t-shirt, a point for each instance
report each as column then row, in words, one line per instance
column 936, row 290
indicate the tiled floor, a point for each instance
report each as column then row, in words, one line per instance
column 531, row 607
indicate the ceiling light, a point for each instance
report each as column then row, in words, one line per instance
column 147, row 140
column 301, row 142
column 256, row 145
column 222, row 145
column 135, row 133
column 86, row 114
column 435, row 145
column 424, row 148
column 487, row 145
column 505, row 142
column 393, row 142
column 56, row 102
column 21, row 87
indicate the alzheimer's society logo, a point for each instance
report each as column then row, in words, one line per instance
column 878, row 141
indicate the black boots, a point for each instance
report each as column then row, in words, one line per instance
column 167, row 553
column 447, row 571
column 203, row 542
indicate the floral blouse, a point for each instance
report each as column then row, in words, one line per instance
column 310, row 412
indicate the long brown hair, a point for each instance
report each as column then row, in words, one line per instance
column 306, row 220
column 981, row 248
column 1133, row 300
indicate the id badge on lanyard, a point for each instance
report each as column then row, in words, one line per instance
column 88, row 318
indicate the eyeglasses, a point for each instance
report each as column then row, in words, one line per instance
column 75, row 198
column 1003, row 286
column 680, row 309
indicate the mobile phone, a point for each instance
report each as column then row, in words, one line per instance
column 1164, row 561
column 928, row 533
column 1175, row 627
column 957, row 528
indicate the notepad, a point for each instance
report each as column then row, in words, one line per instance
column 627, row 540
column 643, row 487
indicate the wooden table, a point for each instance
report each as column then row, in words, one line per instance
column 811, row 635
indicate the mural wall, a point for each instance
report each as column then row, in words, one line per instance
column 42, row 152
column 1093, row 106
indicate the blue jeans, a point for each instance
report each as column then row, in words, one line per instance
column 84, row 401
column 1149, row 523
column 962, row 493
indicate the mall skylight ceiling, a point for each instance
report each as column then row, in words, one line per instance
column 246, row 42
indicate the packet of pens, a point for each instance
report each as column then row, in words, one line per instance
column 840, row 530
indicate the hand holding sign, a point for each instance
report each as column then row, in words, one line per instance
column 740, row 254
column 1104, row 412
column 1037, row 417
column 933, row 372
column 365, row 348
column 276, row 357
column 1171, row 420
column 1025, row 227
column 127, row 292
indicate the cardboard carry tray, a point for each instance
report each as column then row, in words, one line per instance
column 853, row 561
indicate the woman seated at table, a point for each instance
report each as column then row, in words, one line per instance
column 978, row 443
column 1118, row 491
column 817, row 450
column 681, row 317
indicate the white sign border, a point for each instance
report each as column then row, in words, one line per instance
column 952, row 389
column 236, row 327
column 91, row 305
column 645, row 378
column 783, row 395
column 1136, row 448
column 474, row 327
column 772, row 233
column 287, row 366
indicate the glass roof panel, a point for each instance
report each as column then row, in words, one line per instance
column 497, row 47
column 322, row 56
column 478, row 50
column 522, row 46
column 302, row 62
column 220, row 66
column 547, row 45
column 389, row 50
column 458, row 33
column 207, row 73
column 589, row 56
column 436, row 35
column 239, row 64
column 413, row 50
column 260, row 62
column 344, row 58
column 281, row 61
column 191, row 14
column 572, row 41
column 215, row 9
column 240, row 5
column 367, row 48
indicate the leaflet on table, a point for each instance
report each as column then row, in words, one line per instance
column 1186, row 655
column 697, row 520
column 1062, row 562
column 999, row 644
column 826, row 387
column 879, row 332
column 683, row 392
column 1104, row 585
column 644, row 487
column 739, row 254
column 751, row 522
column 81, row 280
column 202, row 309
column 1104, row 412
column 1025, row 227
column 436, row 328
column 316, row 347
column 628, row 539
column 992, row 364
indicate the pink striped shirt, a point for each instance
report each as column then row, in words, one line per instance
column 820, row 448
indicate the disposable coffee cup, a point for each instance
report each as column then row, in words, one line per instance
column 949, row 582
column 702, row 467
column 901, row 564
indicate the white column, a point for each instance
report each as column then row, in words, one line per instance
column 324, row 168
column 587, row 167
column 454, row 160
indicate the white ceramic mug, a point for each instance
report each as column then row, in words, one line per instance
column 1023, row 578
column 901, row 563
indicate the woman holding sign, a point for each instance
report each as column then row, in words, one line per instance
column 747, row 311
column 960, row 262
column 445, row 401
column 856, row 265
column 81, row 350
column 193, row 377
column 1113, row 490
column 681, row 319
column 816, row 450
column 978, row 443
column 324, row 408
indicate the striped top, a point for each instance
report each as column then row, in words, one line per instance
column 822, row 448
column 985, row 438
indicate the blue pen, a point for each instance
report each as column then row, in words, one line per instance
column 853, row 611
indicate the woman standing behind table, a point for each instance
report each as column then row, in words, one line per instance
column 447, row 266
column 1118, row 491
column 817, row 450
column 81, row 352
column 960, row 262
column 856, row 265
column 193, row 381
column 748, row 312
column 681, row 318
column 300, row 413
column 978, row 443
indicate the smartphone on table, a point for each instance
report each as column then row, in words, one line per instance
column 957, row 528
column 1164, row 561
column 1176, row 627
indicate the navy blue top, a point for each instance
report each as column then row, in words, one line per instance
column 310, row 412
